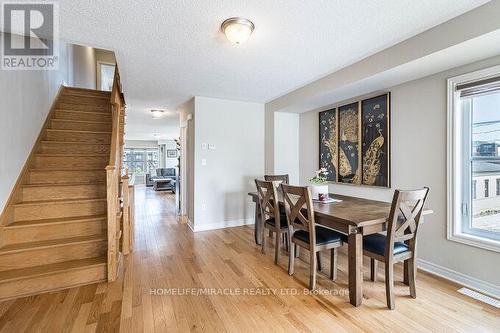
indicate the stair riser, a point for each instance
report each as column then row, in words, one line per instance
column 85, row 107
column 63, row 192
column 47, row 232
column 98, row 127
column 58, row 210
column 84, row 116
column 63, row 177
column 73, row 148
column 104, row 138
column 85, row 100
column 56, row 281
column 68, row 162
column 52, row 255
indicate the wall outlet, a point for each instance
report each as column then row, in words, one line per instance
column 204, row 207
column 203, row 162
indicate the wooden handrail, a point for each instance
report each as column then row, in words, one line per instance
column 115, row 188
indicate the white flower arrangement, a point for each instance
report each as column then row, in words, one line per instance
column 320, row 177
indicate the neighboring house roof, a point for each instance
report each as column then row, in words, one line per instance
column 486, row 167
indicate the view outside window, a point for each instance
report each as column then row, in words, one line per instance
column 141, row 161
column 485, row 159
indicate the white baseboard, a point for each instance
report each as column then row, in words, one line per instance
column 220, row 225
column 190, row 225
column 462, row 279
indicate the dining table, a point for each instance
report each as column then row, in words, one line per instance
column 355, row 217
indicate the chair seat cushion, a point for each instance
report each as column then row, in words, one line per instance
column 283, row 222
column 376, row 244
column 323, row 236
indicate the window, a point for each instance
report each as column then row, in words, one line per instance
column 107, row 74
column 141, row 161
column 474, row 158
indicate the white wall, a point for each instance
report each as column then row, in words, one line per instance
column 236, row 129
column 286, row 145
column 84, row 67
column 418, row 124
column 26, row 98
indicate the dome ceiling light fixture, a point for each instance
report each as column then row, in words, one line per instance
column 237, row 29
column 157, row 114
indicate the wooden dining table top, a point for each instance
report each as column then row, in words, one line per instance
column 353, row 211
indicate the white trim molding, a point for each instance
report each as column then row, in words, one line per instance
column 455, row 161
column 220, row 225
column 462, row 279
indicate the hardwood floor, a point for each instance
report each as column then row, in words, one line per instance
column 168, row 255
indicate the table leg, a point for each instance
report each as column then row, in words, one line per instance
column 258, row 225
column 355, row 268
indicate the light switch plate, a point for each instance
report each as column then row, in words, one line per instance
column 211, row 146
column 203, row 146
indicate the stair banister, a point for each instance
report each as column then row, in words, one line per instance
column 113, row 179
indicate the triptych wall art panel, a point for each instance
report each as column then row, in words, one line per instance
column 355, row 142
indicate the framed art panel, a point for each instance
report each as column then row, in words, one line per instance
column 376, row 140
column 349, row 144
column 328, row 143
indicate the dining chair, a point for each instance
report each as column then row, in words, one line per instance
column 304, row 232
column 400, row 244
column 272, row 219
column 283, row 178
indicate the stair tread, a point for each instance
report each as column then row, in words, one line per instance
column 77, row 131
column 60, row 184
column 71, row 155
column 87, row 89
column 29, row 272
column 57, row 201
column 60, row 220
column 13, row 248
column 82, row 121
column 72, row 169
column 80, row 111
column 74, row 143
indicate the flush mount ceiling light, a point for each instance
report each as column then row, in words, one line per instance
column 237, row 29
column 157, row 114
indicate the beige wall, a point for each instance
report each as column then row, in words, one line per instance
column 25, row 99
column 419, row 141
column 84, row 67
column 236, row 129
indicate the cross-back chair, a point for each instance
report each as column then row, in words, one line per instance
column 272, row 219
column 304, row 232
column 282, row 178
column 400, row 244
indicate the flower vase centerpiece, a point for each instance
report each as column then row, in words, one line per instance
column 319, row 187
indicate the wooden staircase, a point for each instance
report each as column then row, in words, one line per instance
column 54, row 229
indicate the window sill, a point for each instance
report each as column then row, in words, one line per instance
column 480, row 242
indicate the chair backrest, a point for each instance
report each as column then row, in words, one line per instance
column 406, row 211
column 268, row 200
column 296, row 198
column 284, row 179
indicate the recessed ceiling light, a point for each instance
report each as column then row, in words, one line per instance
column 237, row 29
column 157, row 114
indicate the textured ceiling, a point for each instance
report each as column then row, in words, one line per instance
column 169, row 51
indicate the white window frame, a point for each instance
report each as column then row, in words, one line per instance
column 455, row 155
